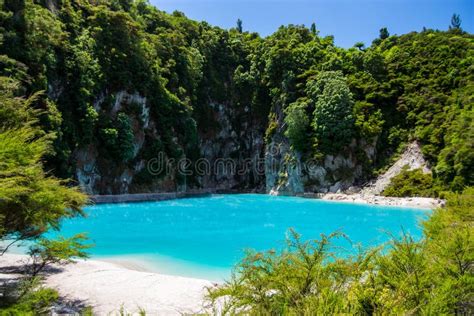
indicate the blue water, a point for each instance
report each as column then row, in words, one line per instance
column 204, row 237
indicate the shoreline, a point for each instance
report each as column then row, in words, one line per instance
column 162, row 196
column 411, row 202
column 358, row 198
column 109, row 286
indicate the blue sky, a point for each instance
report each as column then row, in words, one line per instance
column 349, row 21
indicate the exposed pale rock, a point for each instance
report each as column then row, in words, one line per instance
column 411, row 157
column 86, row 171
column 416, row 202
column 123, row 97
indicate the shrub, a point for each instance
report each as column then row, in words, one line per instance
column 34, row 302
column 301, row 279
column 125, row 137
column 411, row 183
column 333, row 119
column 297, row 124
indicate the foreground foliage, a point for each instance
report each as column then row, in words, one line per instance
column 31, row 203
column 26, row 295
column 432, row 276
column 36, row 301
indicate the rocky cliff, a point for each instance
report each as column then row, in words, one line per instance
column 231, row 155
column 97, row 174
column 230, row 147
column 289, row 172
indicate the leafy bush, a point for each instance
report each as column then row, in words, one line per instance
column 118, row 139
column 333, row 119
column 301, row 279
column 411, row 183
column 33, row 302
column 297, row 125
column 124, row 137
column 271, row 129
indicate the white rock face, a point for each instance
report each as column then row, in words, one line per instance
column 123, row 97
column 90, row 172
column 86, row 171
column 411, row 157
column 98, row 101
column 287, row 172
column 145, row 114
column 283, row 170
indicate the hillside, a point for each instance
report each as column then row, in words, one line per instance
column 124, row 82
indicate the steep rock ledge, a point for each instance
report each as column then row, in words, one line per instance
column 97, row 174
column 232, row 148
column 287, row 172
column 230, row 144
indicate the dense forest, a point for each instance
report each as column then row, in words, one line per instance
column 119, row 81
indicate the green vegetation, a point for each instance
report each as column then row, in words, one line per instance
column 27, row 296
column 432, row 276
column 411, row 183
column 417, row 86
column 31, row 201
column 333, row 121
column 38, row 301
column 297, row 122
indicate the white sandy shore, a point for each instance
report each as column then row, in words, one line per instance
column 106, row 287
column 416, row 202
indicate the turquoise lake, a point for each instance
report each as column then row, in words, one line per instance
column 204, row 237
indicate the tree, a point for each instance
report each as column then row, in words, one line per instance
column 359, row 45
column 60, row 251
column 455, row 22
column 333, row 119
column 125, row 137
column 239, row 26
column 31, row 201
column 313, row 29
column 297, row 123
column 410, row 183
column 383, row 33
